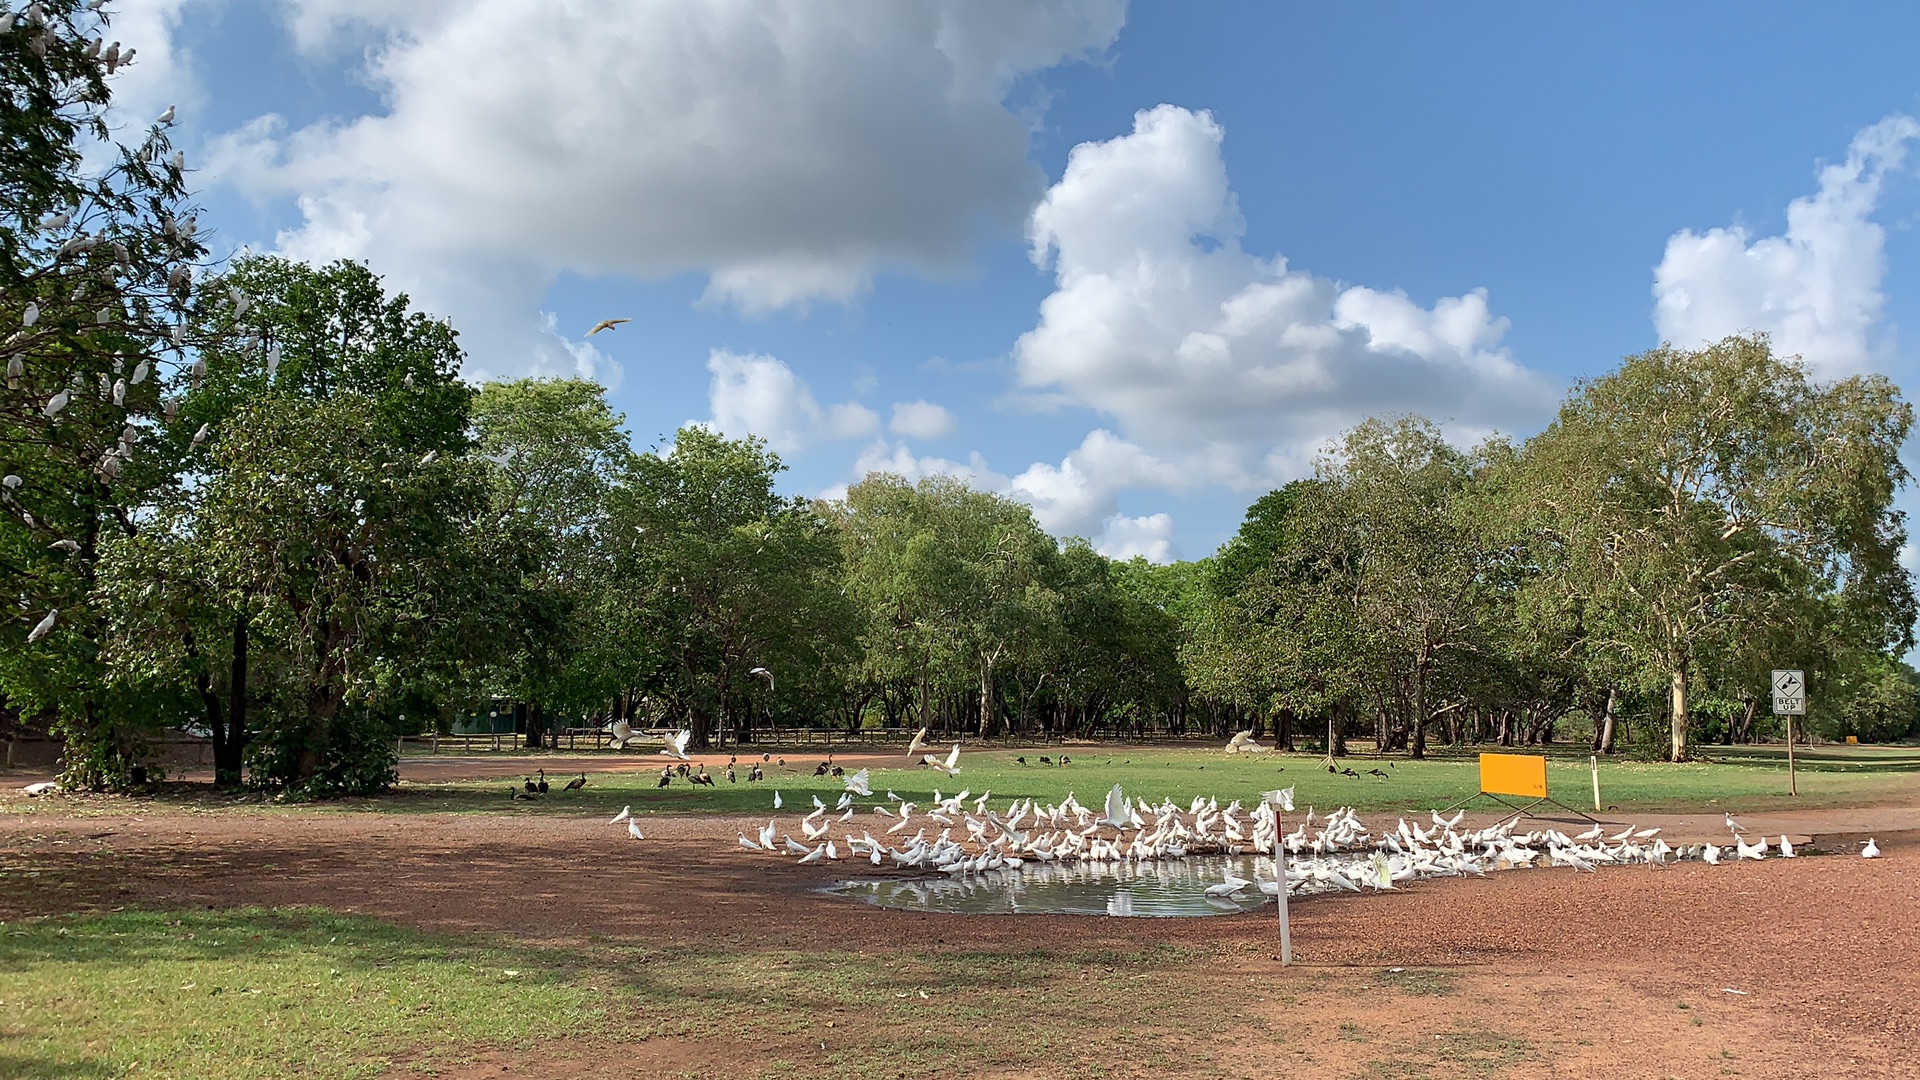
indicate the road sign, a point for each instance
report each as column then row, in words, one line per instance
column 1789, row 693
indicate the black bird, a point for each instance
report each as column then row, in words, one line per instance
column 531, row 786
column 1350, row 772
column 541, row 785
column 731, row 779
column 821, row 769
column 766, row 757
column 1021, row 760
column 1329, row 769
column 755, row 773
column 1381, row 773
column 666, row 777
column 520, row 796
column 1045, row 760
column 577, row 782
column 733, row 759
column 837, row 771
column 1065, row 760
column 782, row 763
column 683, row 770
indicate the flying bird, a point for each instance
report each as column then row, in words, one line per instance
column 951, row 766
column 606, row 324
column 919, row 740
column 857, row 784
column 677, row 745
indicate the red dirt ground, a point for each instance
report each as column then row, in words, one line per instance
column 1622, row 974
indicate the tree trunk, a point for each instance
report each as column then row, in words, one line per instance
column 1679, row 698
column 1603, row 731
column 536, row 726
column 228, row 753
column 986, row 698
column 1419, row 751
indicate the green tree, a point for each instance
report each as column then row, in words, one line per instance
column 97, row 283
column 1701, row 498
column 204, row 592
column 724, row 575
column 951, row 581
column 555, row 450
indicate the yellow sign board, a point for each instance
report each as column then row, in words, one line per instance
column 1514, row 774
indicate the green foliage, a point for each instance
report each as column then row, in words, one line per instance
column 1708, row 510
column 97, row 287
column 722, row 575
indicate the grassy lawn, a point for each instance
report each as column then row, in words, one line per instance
column 1749, row 778
column 253, row 993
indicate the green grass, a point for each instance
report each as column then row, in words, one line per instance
column 250, row 993
column 1751, row 778
column 1733, row 778
column 255, row 993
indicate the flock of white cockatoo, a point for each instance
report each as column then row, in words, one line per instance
column 961, row 835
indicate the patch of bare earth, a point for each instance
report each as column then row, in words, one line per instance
column 1782, row 968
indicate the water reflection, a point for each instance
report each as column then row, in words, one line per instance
column 1159, row 889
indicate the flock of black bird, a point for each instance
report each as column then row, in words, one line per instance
column 533, row 789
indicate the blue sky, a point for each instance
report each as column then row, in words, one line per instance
column 1040, row 243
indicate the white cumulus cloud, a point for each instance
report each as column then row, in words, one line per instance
column 1816, row 288
column 786, row 149
column 1149, row 537
column 1216, row 365
column 753, row 394
column 921, row 420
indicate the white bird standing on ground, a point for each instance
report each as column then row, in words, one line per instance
column 633, row 829
column 776, row 800
column 1734, row 826
column 625, row 813
column 1786, row 847
column 45, row 627
column 677, row 745
column 1871, row 850
column 606, row 324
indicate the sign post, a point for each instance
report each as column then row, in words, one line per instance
column 1281, row 800
column 1790, row 700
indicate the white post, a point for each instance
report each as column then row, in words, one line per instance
column 1595, row 759
column 1280, row 879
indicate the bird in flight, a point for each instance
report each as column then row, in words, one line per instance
column 606, row 324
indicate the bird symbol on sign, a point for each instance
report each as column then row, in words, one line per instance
column 606, row 324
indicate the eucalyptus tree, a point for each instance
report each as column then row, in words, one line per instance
column 554, row 451
column 951, row 581
column 724, row 575
column 1704, row 498
column 99, row 254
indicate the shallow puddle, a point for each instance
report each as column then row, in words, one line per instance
column 1164, row 889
